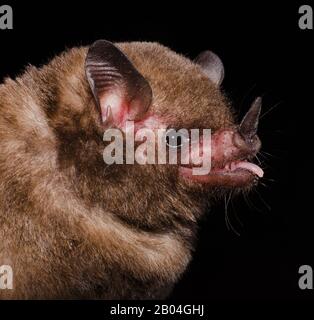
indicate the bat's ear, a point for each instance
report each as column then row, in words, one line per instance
column 211, row 65
column 120, row 91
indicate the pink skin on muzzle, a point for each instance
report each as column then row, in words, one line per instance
column 231, row 150
column 229, row 164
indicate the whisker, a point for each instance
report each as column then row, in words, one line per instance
column 236, row 214
column 265, row 162
column 269, row 154
column 258, row 160
column 264, row 156
column 271, row 109
column 250, row 203
column 226, row 216
column 228, row 222
column 264, row 202
column 263, row 184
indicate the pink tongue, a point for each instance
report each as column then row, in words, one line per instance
column 248, row 166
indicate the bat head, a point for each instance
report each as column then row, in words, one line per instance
column 139, row 156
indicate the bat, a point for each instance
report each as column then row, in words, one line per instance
column 76, row 227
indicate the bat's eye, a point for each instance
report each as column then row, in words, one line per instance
column 176, row 139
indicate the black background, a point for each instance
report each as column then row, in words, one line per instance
column 265, row 53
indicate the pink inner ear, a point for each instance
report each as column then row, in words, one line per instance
column 118, row 108
column 120, row 113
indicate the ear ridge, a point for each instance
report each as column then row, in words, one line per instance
column 211, row 65
column 116, row 83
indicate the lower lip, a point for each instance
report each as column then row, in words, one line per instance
column 237, row 178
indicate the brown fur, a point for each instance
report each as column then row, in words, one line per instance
column 72, row 227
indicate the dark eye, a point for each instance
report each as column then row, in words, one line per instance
column 175, row 139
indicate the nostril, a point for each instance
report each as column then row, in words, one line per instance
column 256, row 144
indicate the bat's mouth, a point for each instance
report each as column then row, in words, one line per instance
column 233, row 174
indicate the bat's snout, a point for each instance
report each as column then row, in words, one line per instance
column 231, row 152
